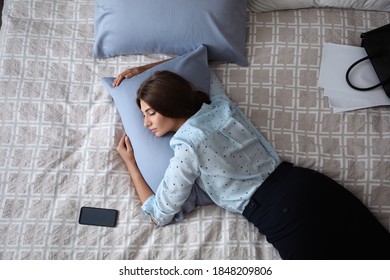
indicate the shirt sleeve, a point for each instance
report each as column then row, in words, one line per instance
column 175, row 187
column 217, row 91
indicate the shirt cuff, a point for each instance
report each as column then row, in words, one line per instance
column 148, row 206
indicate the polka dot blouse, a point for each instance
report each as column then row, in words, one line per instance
column 219, row 149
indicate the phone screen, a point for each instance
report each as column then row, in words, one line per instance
column 98, row 216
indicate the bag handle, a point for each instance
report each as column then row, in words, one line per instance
column 358, row 88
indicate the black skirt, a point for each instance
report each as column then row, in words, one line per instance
column 307, row 215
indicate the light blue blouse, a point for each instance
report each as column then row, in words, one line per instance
column 222, row 151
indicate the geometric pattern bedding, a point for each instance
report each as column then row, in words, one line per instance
column 59, row 129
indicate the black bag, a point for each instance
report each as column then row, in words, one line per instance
column 377, row 45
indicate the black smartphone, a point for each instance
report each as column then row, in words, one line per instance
column 98, row 216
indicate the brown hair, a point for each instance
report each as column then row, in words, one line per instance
column 171, row 95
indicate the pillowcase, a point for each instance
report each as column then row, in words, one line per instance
column 171, row 27
column 154, row 153
column 274, row 5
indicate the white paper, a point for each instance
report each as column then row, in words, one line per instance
column 341, row 101
column 336, row 59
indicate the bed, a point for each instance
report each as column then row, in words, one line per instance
column 59, row 129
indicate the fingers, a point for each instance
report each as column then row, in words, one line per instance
column 124, row 144
column 129, row 147
column 118, row 80
column 121, row 142
column 127, row 74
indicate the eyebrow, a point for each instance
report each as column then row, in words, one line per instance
column 148, row 109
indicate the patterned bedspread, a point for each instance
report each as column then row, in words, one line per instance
column 59, row 128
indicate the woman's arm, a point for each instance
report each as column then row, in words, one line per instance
column 126, row 151
column 171, row 198
column 128, row 73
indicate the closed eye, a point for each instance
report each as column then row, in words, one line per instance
column 149, row 114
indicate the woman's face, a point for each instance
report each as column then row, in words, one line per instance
column 157, row 123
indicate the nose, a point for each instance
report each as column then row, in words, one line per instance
column 147, row 122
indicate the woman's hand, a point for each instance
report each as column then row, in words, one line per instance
column 125, row 150
column 127, row 74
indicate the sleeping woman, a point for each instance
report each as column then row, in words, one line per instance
column 303, row 213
